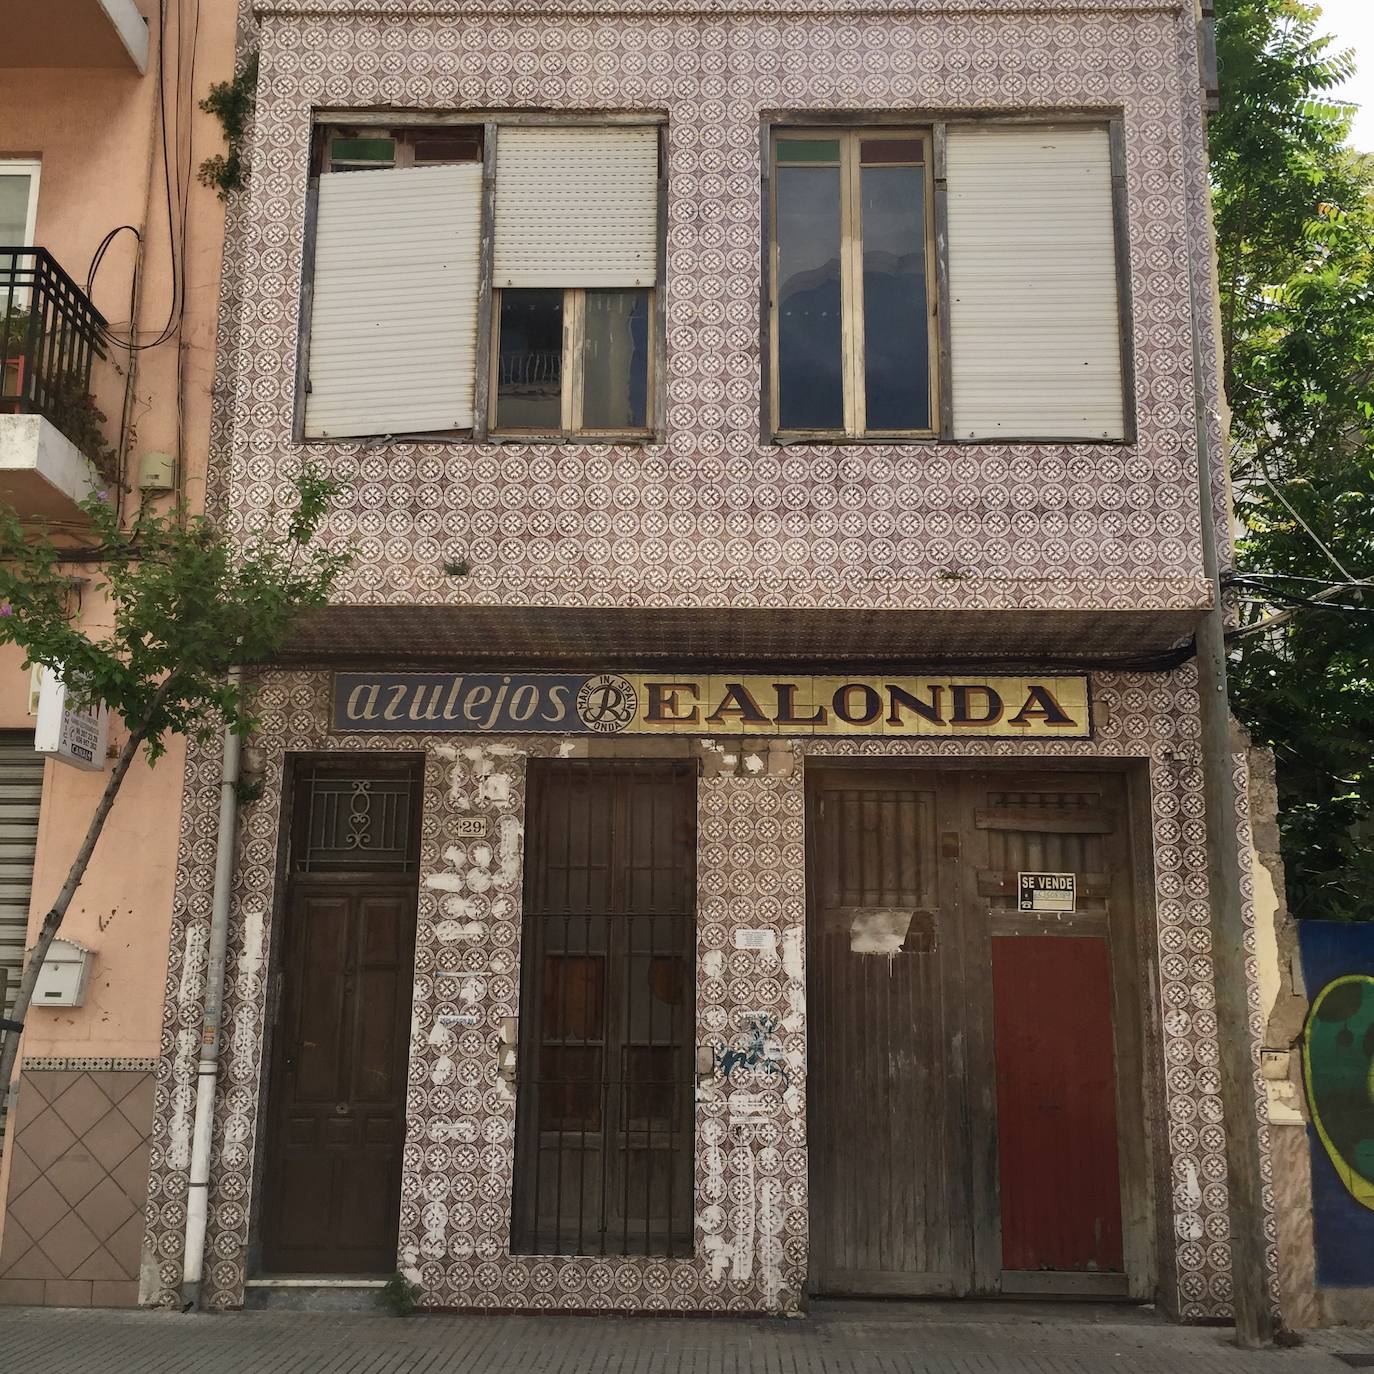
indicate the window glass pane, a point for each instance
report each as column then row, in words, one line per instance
column 362, row 150
column 810, row 352
column 529, row 381
column 616, row 360
column 14, row 209
column 808, row 150
column 464, row 145
column 891, row 150
column 896, row 332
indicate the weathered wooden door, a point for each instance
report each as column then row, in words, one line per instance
column 604, row 1097
column 341, row 1039
column 888, row 1139
column 969, row 1131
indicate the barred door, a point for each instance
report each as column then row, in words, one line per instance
column 604, row 1130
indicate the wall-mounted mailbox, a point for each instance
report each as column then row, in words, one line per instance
column 63, row 977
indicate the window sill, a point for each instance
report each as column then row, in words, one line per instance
column 944, row 441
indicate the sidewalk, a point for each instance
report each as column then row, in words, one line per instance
column 838, row 1338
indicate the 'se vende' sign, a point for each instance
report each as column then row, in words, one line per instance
column 716, row 704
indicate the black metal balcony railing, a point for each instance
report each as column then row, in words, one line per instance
column 50, row 335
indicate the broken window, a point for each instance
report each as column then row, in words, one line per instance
column 555, row 315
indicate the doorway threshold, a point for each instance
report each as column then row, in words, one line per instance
column 313, row 1293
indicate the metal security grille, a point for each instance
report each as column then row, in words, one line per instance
column 356, row 817
column 604, row 1129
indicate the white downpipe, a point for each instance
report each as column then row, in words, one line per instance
column 197, row 1202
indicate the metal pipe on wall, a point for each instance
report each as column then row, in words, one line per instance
column 207, row 1074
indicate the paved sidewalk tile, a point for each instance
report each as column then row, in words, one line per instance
column 845, row 1338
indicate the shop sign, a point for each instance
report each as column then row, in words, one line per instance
column 686, row 703
column 74, row 733
column 1046, row 892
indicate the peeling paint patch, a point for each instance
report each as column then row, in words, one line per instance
column 455, row 932
column 879, row 932
column 792, row 958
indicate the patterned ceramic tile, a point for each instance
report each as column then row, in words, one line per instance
column 710, row 519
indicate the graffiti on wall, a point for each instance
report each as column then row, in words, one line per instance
column 1338, row 1075
column 760, row 1052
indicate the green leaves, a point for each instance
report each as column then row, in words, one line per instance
column 1295, row 239
column 172, row 606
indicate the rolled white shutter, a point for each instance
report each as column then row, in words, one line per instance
column 576, row 206
column 21, row 791
column 1034, row 319
column 393, row 329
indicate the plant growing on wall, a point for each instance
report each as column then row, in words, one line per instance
column 185, row 605
column 1295, row 241
column 231, row 102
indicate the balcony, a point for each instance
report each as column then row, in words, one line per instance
column 53, row 450
column 75, row 33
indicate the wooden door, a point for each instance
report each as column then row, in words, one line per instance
column 974, row 1121
column 1063, row 1049
column 336, row 1123
column 604, row 1097
column 888, row 1139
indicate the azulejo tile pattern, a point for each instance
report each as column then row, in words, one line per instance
column 751, row 1194
column 711, row 517
column 708, row 520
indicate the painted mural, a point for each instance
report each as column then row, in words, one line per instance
column 1338, row 1073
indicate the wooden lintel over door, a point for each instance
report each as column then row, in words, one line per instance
column 976, row 1123
column 336, row 1120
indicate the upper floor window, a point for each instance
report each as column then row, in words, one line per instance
column 976, row 299
column 853, row 314
column 497, row 279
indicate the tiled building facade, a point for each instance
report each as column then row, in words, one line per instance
column 706, row 547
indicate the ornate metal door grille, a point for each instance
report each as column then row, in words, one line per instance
column 604, row 1126
column 356, row 816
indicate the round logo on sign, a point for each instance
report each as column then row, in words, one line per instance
column 607, row 703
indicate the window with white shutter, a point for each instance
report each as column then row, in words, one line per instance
column 1034, row 327
column 393, row 328
column 418, row 226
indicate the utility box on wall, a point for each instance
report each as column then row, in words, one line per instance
column 63, row 977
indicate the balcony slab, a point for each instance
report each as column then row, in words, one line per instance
column 75, row 33
column 43, row 475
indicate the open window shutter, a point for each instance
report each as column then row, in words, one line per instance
column 393, row 329
column 576, row 206
column 1034, row 320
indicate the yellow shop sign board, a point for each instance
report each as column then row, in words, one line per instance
column 687, row 703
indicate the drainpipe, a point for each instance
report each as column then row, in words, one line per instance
column 197, row 1202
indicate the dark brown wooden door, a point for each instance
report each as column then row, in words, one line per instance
column 336, row 1123
column 604, row 1097
column 968, row 1128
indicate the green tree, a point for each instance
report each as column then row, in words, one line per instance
column 1294, row 211
column 185, row 605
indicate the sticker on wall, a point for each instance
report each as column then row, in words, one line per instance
column 1046, row 892
column 686, row 703
column 762, row 941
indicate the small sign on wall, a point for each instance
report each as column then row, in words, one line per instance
column 1046, row 892
column 469, row 828
column 71, row 734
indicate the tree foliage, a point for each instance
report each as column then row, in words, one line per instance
column 1295, row 240
column 184, row 605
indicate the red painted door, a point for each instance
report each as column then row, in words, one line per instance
column 1056, row 1104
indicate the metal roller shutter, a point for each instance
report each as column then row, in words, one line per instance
column 21, row 790
column 1034, row 320
column 576, row 206
column 393, row 330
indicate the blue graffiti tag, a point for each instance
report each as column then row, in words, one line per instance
column 757, row 1053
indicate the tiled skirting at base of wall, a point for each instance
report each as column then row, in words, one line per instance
column 85, row 1064
column 78, row 1183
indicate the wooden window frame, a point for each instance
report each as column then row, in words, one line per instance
column 573, row 375
column 850, row 139
column 402, row 126
column 32, row 168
